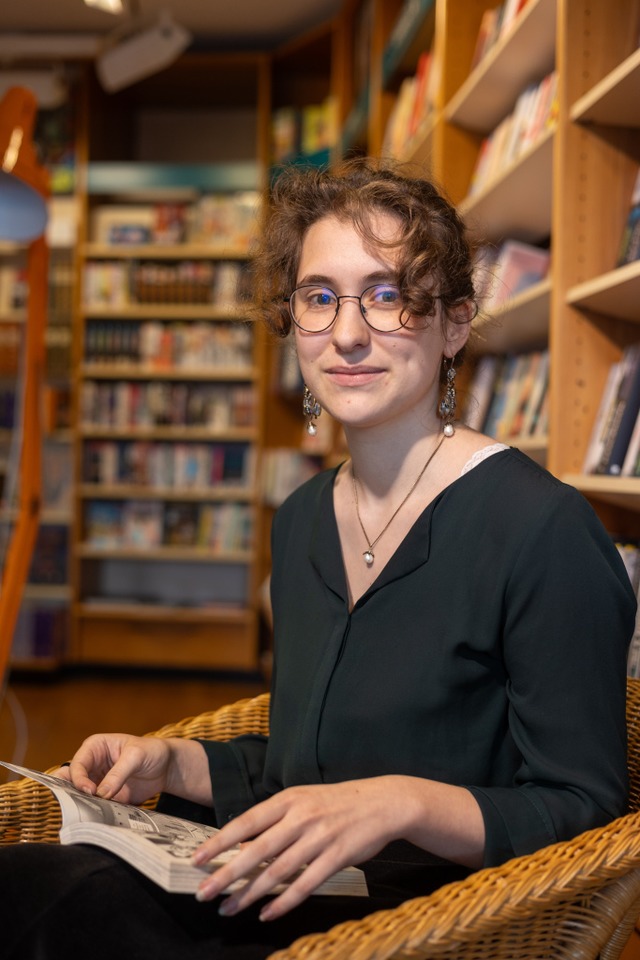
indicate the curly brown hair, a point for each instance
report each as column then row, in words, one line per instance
column 435, row 255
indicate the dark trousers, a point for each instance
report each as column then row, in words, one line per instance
column 79, row 900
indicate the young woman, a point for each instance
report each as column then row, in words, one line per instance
column 451, row 622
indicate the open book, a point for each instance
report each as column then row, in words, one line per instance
column 158, row 845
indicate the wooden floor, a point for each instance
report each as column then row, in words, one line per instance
column 44, row 718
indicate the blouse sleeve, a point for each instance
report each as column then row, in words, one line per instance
column 236, row 770
column 569, row 616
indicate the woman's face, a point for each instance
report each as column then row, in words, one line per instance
column 365, row 378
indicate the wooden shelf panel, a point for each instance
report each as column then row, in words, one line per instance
column 525, row 55
column 240, row 434
column 618, row 491
column 138, row 371
column 96, row 491
column 180, row 554
column 150, row 612
column 616, row 293
column 521, row 324
column 55, row 593
column 155, row 251
column 615, row 101
column 164, row 311
column 517, row 204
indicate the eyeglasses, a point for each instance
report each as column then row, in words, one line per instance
column 314, row 308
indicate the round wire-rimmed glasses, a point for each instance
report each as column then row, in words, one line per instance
column 314, row 308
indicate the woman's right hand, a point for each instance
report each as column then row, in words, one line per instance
column 121, row 767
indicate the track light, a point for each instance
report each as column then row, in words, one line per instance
column 109, row 6
column 141, row 54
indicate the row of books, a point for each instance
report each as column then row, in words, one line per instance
column 614, row 444
column 145, row 524
column 168, row 466
column 224, row 221
column 303, row 131
column 495, row 24
column 50, row 560
column 13, row 288
column 58, row 345
column 8, row 408
column 630, row 243
column 508, row 396
column 121, row 283
column 414, row 105
column 630, row 553
column 502, row 273
column 123, row 404
column 166, row 346
column 41, row 632
column 535, row 111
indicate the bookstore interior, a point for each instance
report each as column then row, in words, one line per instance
column 149, row 429
column 171, row 427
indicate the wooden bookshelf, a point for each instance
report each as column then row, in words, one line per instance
column 158, row 603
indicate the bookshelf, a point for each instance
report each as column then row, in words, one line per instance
column 168, row 419
column 568, row 189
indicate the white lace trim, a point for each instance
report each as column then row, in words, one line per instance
column 483, row 454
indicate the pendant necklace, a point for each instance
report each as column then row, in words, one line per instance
column 368, row 554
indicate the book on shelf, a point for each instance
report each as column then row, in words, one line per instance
column 221, row 221
column 414, row 104
column 156, row 844
column 130, row 405
column 616, row 417
column 57, row 474
column 513, row 267
column 495, row 23
column 41, row 630
column 629, row 551
column 534, row 112
column 507, row 396
column 630, row 243
column 142, row 524
column 168, row 465
column 50, row 559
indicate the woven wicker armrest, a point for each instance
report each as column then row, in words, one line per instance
column 29, row 812
column 577, row 899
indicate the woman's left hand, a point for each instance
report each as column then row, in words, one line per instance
column 322, row 828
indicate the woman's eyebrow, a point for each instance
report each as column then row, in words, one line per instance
column 377, row 276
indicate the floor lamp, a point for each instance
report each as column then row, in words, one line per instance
column 24, row 189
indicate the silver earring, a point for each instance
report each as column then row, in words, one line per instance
column 447, row 407
column 311, row 409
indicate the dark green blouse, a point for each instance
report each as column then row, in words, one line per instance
column 490, row 653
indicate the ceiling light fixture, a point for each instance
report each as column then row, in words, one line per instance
column 109, row 6
column 146, row 51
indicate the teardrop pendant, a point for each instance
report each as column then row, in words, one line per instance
column 368, row 557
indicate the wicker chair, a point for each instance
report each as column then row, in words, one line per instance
column 577, row 899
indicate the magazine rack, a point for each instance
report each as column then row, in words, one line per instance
column 578, row 899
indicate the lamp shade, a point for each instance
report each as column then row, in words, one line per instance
column 24, row 183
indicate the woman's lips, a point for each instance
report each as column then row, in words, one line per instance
column 353, row 376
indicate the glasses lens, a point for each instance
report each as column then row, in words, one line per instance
column 382, row 305
column 313, row 308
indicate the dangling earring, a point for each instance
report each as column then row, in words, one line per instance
column 311, row 409
column 448, row 403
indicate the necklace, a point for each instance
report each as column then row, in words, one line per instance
column 368, row 554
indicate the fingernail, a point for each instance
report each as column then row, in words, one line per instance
column 265, row 914
column 227, row 908
column 203, row 894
